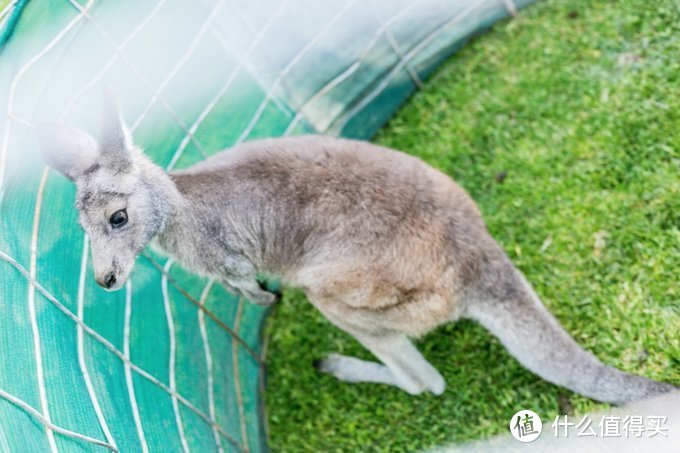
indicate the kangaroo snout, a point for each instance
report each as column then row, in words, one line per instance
column 107, row 280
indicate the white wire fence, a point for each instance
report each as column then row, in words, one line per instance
column 173, row 363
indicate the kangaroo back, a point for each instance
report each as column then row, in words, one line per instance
column 508, row 307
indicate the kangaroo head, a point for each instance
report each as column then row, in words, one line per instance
column 123, row 199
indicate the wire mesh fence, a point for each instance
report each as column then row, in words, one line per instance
column 173, row 362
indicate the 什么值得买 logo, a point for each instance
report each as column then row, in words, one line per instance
column 526, row 426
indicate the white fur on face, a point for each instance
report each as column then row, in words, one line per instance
column 111, row 174
column 105, row 191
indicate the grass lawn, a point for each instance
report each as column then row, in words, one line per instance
column 577, row 105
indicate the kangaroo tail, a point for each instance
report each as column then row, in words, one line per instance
column 509, row 308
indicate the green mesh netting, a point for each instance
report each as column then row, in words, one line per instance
column 173, row 362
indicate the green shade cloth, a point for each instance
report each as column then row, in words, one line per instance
column 172, row 362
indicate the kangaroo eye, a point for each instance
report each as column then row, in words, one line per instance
column 118, row 218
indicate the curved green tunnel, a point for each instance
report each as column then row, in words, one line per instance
column 173, row 362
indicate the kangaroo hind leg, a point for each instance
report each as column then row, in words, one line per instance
column 404, row 366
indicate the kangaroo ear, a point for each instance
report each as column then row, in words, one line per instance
column 115, row 141
column 68, row 150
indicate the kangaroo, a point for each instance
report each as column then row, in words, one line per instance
column 385, row 246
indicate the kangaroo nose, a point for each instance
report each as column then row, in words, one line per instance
column 109, row 280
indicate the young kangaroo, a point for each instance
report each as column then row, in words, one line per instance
column 384, row 246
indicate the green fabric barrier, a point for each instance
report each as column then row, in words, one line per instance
column 172, row 362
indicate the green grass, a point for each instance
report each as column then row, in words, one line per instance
column 577, row 102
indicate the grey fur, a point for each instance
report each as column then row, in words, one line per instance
column 384, row 246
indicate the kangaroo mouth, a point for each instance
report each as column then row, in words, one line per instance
column 113, row 280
